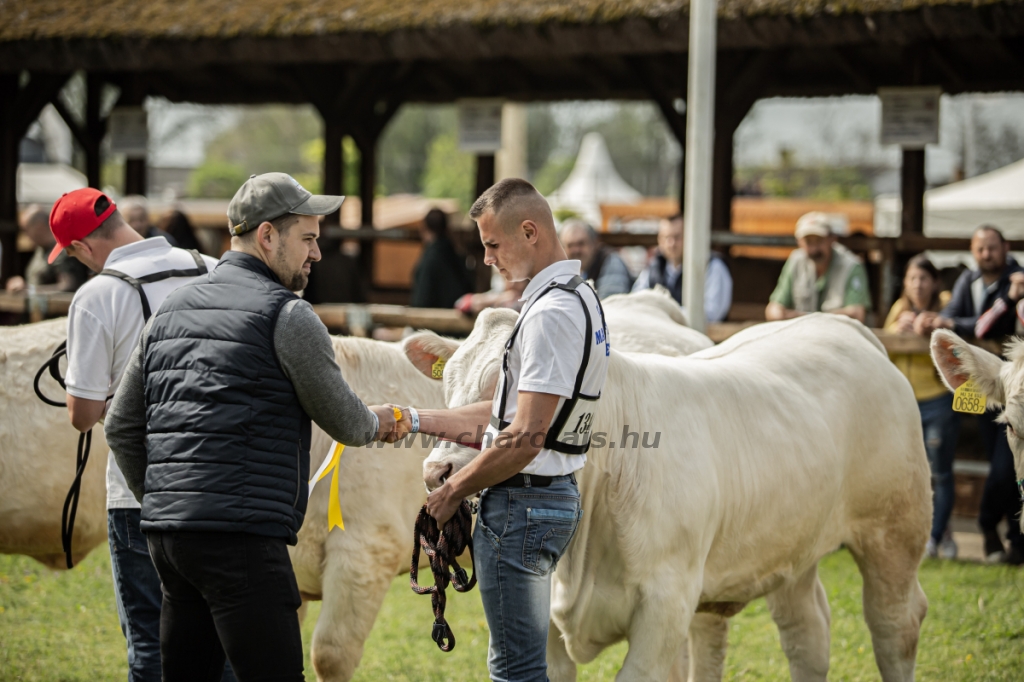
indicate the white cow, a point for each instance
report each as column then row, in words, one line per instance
column 650, row 321
column 37, row 455
column 776, row 447
column 1002, row 382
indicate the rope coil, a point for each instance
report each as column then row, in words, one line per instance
column 443, row 549
column 70, row 510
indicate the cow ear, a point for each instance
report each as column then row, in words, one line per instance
column 958, row 361
column 428, row 352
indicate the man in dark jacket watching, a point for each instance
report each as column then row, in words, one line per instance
column 982, row 307
column 211, row 425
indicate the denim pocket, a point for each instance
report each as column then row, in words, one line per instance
column 492, row 516
column 548, row 532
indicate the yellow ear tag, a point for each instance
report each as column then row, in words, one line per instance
column 968, row 398
column 437, row 369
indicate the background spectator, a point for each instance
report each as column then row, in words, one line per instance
column 598, row 262
column 440, row 277
column 982, row 306
column 135, row 210
column 65, row 274
column 179, row 227
column 921, row 298
column 820, row 276
column 666, row 269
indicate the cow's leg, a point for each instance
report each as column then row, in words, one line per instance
column 561, row 668
column 800, row 610
column 658, row 629
column 709, row 636
column 681, row 666
column 894, row 603
column 354, row 585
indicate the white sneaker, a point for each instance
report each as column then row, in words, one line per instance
column 948, row 549
column 931, row 550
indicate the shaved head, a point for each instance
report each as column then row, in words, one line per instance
column 513, row 201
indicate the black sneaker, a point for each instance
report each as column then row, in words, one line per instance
column 995, row 552
column 1015, row 557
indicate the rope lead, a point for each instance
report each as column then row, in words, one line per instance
column 443, row 550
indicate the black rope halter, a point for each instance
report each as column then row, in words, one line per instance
column 443, row 549
column 70, row 511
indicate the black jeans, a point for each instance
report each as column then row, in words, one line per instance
column 1000, row 498
column 227, row 593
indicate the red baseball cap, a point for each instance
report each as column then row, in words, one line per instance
column 75, row 215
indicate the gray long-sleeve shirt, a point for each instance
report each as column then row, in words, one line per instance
column 303, row 348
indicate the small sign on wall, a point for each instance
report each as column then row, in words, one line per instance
column 910, row 116
column 129, row 132
column 480, row 125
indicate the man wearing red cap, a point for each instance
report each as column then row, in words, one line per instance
column 104, row 324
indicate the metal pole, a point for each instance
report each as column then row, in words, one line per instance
column 700, row 134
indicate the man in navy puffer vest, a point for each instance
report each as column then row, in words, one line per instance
column 212, row 423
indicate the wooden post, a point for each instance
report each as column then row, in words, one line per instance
column 367, row 143
column 484, row 173
column 334, row 165
column 912, row 184
column 135, row 176
column 95, row 129
column 722, row 189
column 10, row 139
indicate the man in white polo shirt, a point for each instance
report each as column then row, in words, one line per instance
column 554, row 370
column 104, row 323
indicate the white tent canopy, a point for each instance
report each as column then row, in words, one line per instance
column 592, row 182
column 955, row 210
column 44, row 183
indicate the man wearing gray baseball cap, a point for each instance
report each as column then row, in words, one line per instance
column 211, row 426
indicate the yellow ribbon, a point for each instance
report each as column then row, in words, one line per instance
column 334, row 518
column 333, row 502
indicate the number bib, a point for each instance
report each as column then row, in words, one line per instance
column 969, row 399
column 575, row 430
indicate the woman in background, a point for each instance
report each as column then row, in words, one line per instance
column 921, row 301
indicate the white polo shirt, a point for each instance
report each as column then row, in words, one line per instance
column 104, row 324
column 547, row 354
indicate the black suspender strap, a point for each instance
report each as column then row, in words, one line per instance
column 137, row 282
column 498, row 421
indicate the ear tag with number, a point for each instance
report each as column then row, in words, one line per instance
column 437, row 369
column 968, row 398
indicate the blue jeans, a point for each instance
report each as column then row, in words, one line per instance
column 941, row 427
column 137, row 590
column 1000, row 498
column 520, row 535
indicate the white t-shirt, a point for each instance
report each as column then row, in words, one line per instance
column 547, row 354
column 104, row 324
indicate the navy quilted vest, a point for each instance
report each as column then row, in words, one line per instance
column 227, row 441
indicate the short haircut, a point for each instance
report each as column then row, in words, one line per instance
column 282, row 224
column 436, row 222
column 109, row 226
column 577, row 224
column 675, row 217
column 990, row 228
column 503, row 194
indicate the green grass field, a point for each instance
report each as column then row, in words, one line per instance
column 62, row 626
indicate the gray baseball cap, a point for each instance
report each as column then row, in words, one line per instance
column 272, row 195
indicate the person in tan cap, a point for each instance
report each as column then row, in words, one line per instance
column 211, row 426
column 820, row 276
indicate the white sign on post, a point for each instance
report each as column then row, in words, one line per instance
column 129, row 132
column 910, row 116
column 480, row 125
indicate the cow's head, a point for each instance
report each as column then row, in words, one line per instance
column 470, row 375
column 1002, row 381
